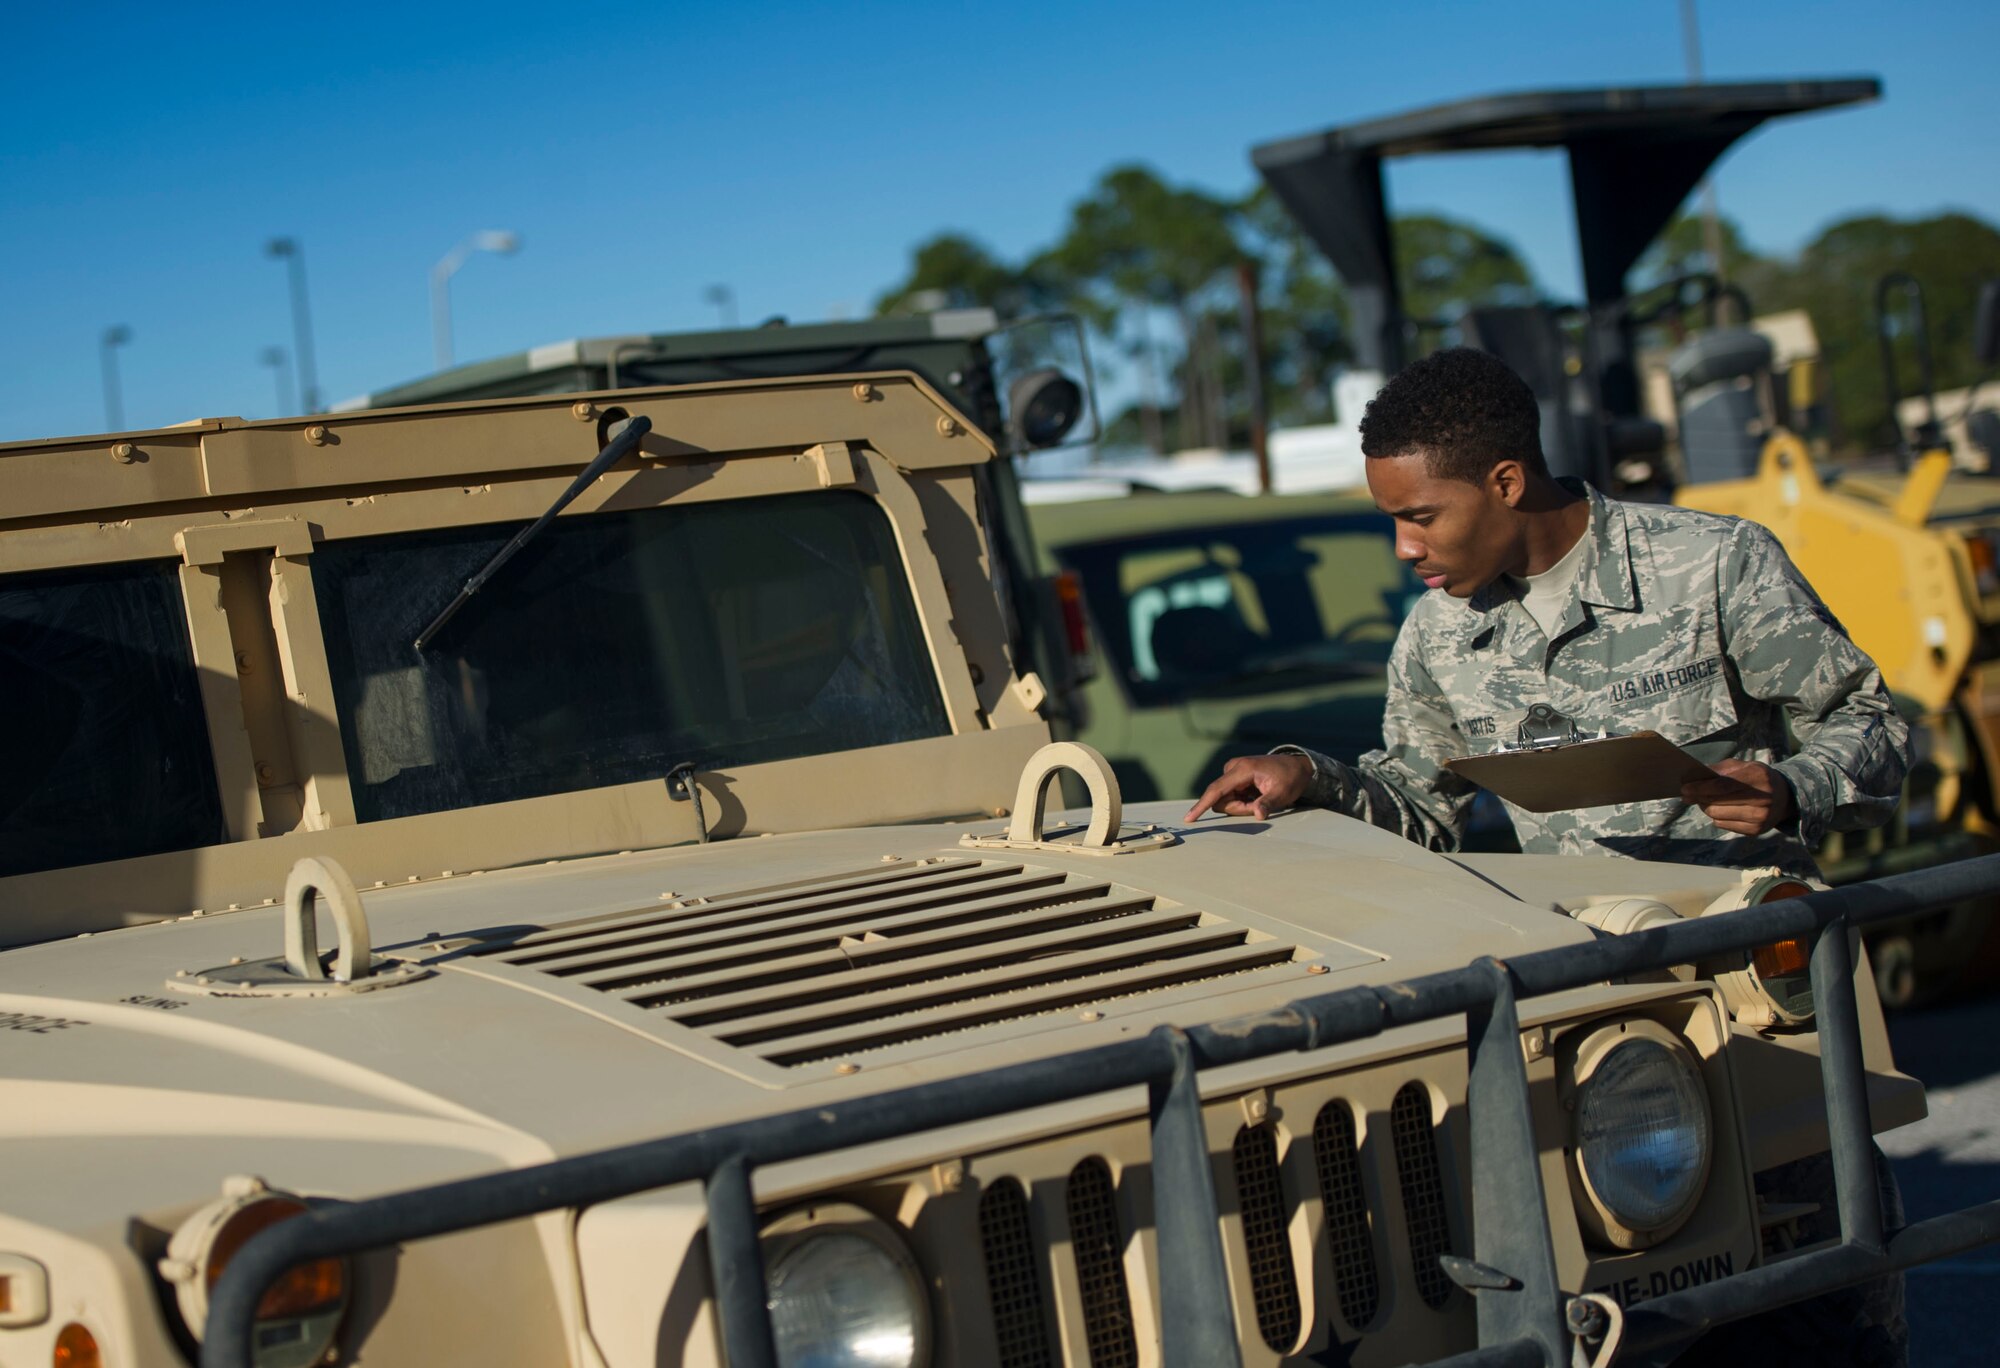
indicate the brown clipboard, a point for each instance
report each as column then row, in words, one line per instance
column 1584, row 774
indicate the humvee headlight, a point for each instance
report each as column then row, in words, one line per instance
column 1642, row 1133
column 844, row 1292
column 299, row 1313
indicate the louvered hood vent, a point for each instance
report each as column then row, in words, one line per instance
column 833, row 966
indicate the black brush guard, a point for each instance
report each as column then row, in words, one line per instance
column 1524, row 1318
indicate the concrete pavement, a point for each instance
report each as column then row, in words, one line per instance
column 1946, row 1161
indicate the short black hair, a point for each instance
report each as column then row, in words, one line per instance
column 1463, row 409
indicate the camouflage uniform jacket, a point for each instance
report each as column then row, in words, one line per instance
column 1689, row 624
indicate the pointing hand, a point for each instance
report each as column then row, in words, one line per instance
column 1255, row 786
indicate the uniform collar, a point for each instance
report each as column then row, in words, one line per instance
column 1606, row 574
column 1605, row 578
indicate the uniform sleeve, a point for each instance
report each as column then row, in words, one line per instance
column 1403, row 787
column 1851, row 745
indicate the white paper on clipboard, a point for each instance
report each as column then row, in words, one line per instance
column 1598, row 772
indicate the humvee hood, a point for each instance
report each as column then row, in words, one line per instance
column 568, row 1006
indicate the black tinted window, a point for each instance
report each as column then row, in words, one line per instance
column 106, row 750
column 620, row 645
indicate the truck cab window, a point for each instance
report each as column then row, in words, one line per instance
column 102, row 716
column 619, row 645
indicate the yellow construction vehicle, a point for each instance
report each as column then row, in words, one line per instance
column 1908, row 558
column 1905, row 556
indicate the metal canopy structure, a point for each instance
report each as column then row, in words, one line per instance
column 1634, row 154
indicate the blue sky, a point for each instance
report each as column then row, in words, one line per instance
column 794, row 152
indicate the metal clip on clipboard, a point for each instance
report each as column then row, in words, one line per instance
column 1543, row 728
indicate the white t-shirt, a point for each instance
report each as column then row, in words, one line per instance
column 1546, row 594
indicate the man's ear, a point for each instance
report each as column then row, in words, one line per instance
column 1507, row 481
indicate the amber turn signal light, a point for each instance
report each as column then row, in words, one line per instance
column 1787, row 956
column 299, row 1291
column 1775, row 961
column 76, row 1347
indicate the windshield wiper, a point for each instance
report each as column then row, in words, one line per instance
column 614, row 451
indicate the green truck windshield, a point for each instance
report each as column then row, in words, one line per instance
column 1247, row 607
column 619, row 645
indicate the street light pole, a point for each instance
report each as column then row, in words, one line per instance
column 724, row 299
column 295, row 261
column 1711, row 218
column 114, row 337
column 1253, row 367
column 496, row 240
column 274, row 357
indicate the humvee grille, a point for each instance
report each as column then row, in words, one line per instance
column 1014, row 1218
column 1099, row 1249
column 1355, row 1277
column 1423, row 1190
column 1013, row 1284
column 845, row 963
column 1260, row 1201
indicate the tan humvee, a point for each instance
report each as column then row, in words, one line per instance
column 721, row 800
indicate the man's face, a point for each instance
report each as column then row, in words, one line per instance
column 1458, row 537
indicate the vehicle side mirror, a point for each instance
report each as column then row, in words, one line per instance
column 1043, row 406
column 1986, row 325
column 1041, row 375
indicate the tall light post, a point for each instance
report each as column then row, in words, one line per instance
column 274, row 357
column 496, row 240
column 294, row 257
column 114, row 337
column 724, row 299
column 1711, row 217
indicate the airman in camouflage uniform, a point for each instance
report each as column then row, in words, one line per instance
column 1688, row 624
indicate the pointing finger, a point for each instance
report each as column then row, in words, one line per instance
column 1210, row 796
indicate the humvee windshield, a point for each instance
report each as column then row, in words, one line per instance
column 620, row 645
column 101, row 714
column 1248, row 607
